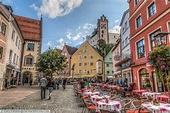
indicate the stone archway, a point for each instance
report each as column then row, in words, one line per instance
column 26, row 76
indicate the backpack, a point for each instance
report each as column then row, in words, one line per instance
column 43, row 82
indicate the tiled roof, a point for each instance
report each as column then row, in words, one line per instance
column 71, row 50
column 30, row 28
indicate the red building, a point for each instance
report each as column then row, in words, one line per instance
column 147, row 17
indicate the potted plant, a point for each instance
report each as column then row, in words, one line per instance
column 148, row 85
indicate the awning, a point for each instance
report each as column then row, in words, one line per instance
column 117, row 73
column 122, row 61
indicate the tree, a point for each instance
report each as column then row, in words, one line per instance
column 50, row 62
column 103, row 48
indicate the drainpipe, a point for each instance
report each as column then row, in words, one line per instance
column 21, row 61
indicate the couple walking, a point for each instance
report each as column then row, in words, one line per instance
column 44, row 84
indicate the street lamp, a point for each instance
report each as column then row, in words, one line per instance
column 161, row 38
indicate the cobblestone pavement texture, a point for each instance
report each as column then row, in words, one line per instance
column 61, row 102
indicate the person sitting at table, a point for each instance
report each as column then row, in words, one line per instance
column 82, row 84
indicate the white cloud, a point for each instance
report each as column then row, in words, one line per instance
column 61, row 40
column 49, row 43
column 68, row 35
column 88, row 26
column 55, row 8
column 116, row 21
column 80, row 32
column 115, row 29
column 34, row 7
column 6, row 1
column 59, row 47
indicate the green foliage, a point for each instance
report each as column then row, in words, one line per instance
column 50, row 62
column 103, row 48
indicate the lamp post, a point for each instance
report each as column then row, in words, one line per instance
column 161, row 38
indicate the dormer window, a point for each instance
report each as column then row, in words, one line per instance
column 137, row 1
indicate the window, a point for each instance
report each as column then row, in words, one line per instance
column 85, row 50
column 123, row 44
column 85, row 57
column 110, row 59
column 80, row 57
column 85, row 64
column 107, row 72
column 99, row 63
column 14, row 58
column 16, row 43
column 140, row 49
column 19, row 44
column 126, row 41
column 85, row 71
column 91, row 57
column 137, row 1
column 152, row 9
column 16, row 61
column 3, row 28
column 30, row 47
column 107, row 65
column 1, row 52
column 10, row 56
column 80, row 71
column 91, row 63
column 139, row 21
column 91, row 71
column 29, row 60
column 13, row 35
column 125, row 25
column 152, row 39
column 79, row 64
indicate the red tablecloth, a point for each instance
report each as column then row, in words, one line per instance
column 138, row 91
column 163, row 98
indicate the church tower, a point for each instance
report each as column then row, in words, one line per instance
column 102, row 28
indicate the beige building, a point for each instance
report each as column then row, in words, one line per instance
column 87, row 62
column 32, row 32
column 12, row 50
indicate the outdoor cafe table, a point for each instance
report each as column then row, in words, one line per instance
column 89, row 93
column 162, row 108
column 95, row 97
column 138, row 92
column 163, row 98
column 152, row 94
column 110, row 106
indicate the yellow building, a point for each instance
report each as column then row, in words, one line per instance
column 87, row 62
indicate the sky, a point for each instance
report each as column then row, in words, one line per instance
column 69, row 21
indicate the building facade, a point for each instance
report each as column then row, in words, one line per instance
column 147, row 18
column 87, row 62
column 115, row 58
column 13, row 49
column 125, row 60
column 32, row 33
column 102, row 33
column 67, row 51
column 108, row 65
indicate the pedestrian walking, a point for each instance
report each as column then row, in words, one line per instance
column 64, row 83
column 31, row 82
column 58, row 83
column 50, row 86
column 43, row 84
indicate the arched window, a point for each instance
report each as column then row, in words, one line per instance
column 144, row 77
column 29, row 60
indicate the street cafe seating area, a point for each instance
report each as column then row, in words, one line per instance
column 105, row 98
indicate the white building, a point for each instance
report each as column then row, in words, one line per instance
column 13, row 49
column 125, row 60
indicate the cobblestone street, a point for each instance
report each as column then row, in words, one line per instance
column 61, row 102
